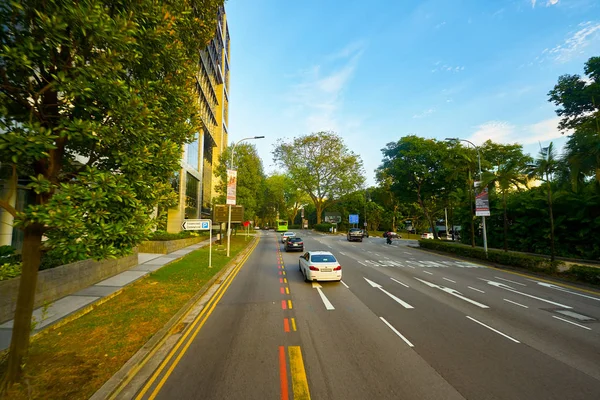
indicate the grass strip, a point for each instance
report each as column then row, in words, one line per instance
column 74, row 360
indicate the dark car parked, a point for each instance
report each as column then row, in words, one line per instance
column 294, row 243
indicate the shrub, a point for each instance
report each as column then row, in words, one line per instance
column 8, row 255
column 295, row 226
column 8, row 271
column 324, row 227
column 531, row 263
column 584, row 273
column 164, row 236
column 53, row 259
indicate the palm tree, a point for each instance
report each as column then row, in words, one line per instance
column 507, row 176
column 543, row 168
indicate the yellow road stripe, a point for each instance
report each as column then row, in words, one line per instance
column 287, row 290
column 299, row 381
column 284, row 280
column 283, row 272
column 207, row 310
column 282, row 266
column 294, row 324
column 290, row 304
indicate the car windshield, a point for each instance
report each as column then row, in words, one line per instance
column 322, row 258
column 355, row 230
column 295, row 239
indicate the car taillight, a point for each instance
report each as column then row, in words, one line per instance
column 338, row 268
column 300, row 242
column 313, row 268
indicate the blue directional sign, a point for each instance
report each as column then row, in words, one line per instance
column 196, row 224
column 353, row 218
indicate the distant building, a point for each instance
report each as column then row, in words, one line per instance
column 195, row 181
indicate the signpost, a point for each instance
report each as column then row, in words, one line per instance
column 220, row 214
column 333, row 217
column 353, row 219
column 482, row 202
column 200, row 225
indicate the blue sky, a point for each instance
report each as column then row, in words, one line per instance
column 376, row 71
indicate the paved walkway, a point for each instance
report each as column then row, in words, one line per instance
column 71, row 304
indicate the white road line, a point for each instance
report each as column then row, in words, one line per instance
column 551, row 286
column 566, row 320
column 514, row 302
column 342, row 253
column 406, row 252
column 396, row 332
column 510, row 289
column 397, row 281
column 427, row 272
column 477, row 290
column 492, row 329
column 449, row 280
column 396, row 299
column 326, row 301
column 508, row 280
column 453, row 292
column 377, row 254
column 344, row 283
column 387, row 258
column 364, row 265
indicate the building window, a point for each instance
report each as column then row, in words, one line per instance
column 175, row 181
column 191, row 196
column 192, row 153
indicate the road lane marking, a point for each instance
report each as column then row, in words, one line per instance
column 342, row 253
column 280, row 273
column 449, row 280
column 364, row 265
column 282, row 290
column 406, row 252
column 283, row 305
column 510, row 289
column 495, row 330
column 427, row 272
column 286, row 325
column 294, row 324
column 477, row 290
column 566, row 320
column 298, row 373
column 397, row 281
column 287, row 290
column 514, row 302
column 284, row 280
column 344, row 283
column 398, row 300
column 453, row 292
column 280, row 280
column 396, row 332
column 290, row 304
column 387, row 258
column 283, row 379
column 324, row 298
column 192, row 331
column 548, row 285
column 508, row 280
column 283, row 267
column 283, row 273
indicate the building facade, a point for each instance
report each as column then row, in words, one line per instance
column 195, row 181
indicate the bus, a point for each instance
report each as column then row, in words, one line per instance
column 282, row 225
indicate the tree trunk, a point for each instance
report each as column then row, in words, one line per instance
column 19, row 344
column 552, row 249
column 429, row 220
column 471, row 205
column 319, row 208
column 505, row 221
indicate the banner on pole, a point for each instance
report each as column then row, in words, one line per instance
column 231, row 186
column 482, row 201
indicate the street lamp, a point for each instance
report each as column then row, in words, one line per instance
column 485, row 246
column 231, row 167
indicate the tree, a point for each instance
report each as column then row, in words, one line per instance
column 322, row 166
column 250, row 178
column 416, row 168
column 544, row 168
column 508, row 173
column 96, row 101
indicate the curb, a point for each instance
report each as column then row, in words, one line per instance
column 113, row 387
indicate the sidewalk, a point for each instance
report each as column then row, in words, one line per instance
column 81, row 302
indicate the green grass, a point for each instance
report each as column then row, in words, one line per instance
column 74, row 360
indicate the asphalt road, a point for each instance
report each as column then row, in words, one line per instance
column 403, row 324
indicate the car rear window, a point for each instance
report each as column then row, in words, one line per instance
column 295, row 239
column 355, row 230
column 322, row 258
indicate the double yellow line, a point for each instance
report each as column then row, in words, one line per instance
column 190, row 334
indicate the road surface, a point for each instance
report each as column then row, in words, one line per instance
column 403, row 324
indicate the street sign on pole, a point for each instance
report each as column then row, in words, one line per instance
column 231, row 186
column 333, row 217
column 220, row 214
column 353, row 219
column 200, row 225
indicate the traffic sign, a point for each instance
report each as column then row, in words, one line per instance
column 364, row 223
column 220, row 213
column 196, row 224
column 353, row 219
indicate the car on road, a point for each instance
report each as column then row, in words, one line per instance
column 286, row 235
column 355, row 234
column 427, row 235
column 320, row 266
column 294, row 243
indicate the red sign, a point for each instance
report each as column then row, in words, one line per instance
column 246, row 223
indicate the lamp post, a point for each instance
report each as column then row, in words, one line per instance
column 231, row 167
column 485, row 246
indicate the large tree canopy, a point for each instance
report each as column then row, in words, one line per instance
column 96, row 100
column 322, row 166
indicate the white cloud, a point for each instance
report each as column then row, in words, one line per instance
column 316, row 100
column 505, row 132
column 575, row 43
column 424, row 113
column 438, row 26
column 533, row 3
column 447, row 68
column 551, row 3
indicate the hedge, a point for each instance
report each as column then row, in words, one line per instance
column 324, row 227
column 584, row 273
column 164, row 236
column 531, row 263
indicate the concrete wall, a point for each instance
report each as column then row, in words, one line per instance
column 168, row 246
column 59, row 282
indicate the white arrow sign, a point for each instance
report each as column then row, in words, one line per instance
column 326, row 301
column 378, row 286
column 453, row 292
column 551, row 286
column 510, row 289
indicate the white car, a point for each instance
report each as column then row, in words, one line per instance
column 320, row 266
column 286, row 235
column 427, row 235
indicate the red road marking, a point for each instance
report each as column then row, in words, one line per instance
column 282, row 290
column 286, row 325
column 279, row 272
column 280, row 280
column 283, row 305
column 283, row 374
